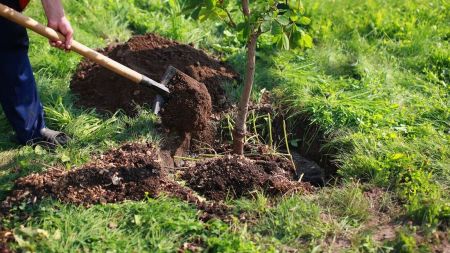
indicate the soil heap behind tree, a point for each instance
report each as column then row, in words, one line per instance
column 99, row 88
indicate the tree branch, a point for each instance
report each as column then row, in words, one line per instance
column 230, row 18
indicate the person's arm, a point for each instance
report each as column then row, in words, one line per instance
column 58, row 21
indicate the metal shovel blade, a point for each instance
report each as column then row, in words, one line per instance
column 159, row 100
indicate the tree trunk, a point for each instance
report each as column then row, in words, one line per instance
column 241, row 118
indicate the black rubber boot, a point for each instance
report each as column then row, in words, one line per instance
column 54, row 138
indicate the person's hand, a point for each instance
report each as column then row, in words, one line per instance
column 63, row 26
column 58, row 22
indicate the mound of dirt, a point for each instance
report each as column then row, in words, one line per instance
column 188, row 107
column 235, row 176
column 131, row 172
column 97, row 87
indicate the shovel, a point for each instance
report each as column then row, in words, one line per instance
column 122, row 70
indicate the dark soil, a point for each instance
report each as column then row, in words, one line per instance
column 131, row 172
column 97, row 87
column 235, row 176
column 188, row 107
column 314, row 160
column 134, row 172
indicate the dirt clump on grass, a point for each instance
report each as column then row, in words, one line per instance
column 188, row 107
column 150, row 54
column 131, row 172
column 234, row 176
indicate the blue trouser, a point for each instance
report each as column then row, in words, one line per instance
column 18, row 93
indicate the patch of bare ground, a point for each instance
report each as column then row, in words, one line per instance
column 381, row 222
column 383, row 226
column 380, row 225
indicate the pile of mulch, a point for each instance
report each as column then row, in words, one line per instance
column 99, row 88
column 236, row 176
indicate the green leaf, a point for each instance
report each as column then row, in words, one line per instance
column 398, row 156
column 38, row 150
column 227, row 33
column 64, row 158
column 305, row 20
column 283, row 20
column 220, row 12
column 210, row 4
column 173, row 4
column 285, row 40
column 138, row 220
column 294, row 17
column 204, row 14
column 276, row 29
column 306, row 41
column 266, row 26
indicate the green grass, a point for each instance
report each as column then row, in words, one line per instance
column 162, row 225
column 376, row 82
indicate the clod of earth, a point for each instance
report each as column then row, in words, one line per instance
column 188, row 107
column 235, row 176
column 97, row 87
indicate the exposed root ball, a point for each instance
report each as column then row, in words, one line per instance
column 189, row 106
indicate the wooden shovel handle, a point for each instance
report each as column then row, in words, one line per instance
column 81, row 49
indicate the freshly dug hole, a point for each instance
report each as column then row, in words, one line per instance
column 188, row 106
column 235, row 176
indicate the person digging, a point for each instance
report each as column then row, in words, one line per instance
column 18, row 93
